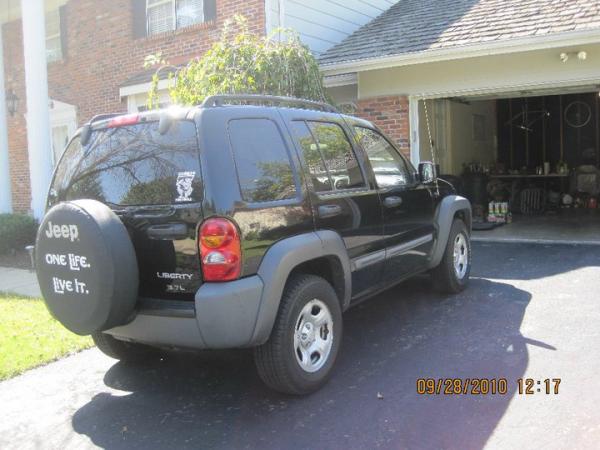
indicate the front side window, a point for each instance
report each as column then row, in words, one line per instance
column 262, row 161
column 168, row 15
column 53, row 43
column 389, row 167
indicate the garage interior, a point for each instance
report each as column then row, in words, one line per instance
column 528, row 161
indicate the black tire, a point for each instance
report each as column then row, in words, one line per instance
column 276, row 360
column 445, row 276
column 121, row 350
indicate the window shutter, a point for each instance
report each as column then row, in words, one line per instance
column 210, row 10
column 138, row 8
column 62, row 14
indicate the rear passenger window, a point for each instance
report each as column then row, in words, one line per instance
column 312, row 156
column 262, row 161
column 337, row 155
column 328, row 155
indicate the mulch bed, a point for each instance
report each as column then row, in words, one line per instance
column 18, row 260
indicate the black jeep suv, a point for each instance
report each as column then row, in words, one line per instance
column 248, row 221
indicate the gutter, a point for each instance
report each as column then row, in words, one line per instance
column 571, row 38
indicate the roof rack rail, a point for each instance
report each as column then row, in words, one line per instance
column 219, row 100
column 105, row 116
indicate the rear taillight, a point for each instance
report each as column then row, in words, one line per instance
column 119, row 121
column 220, row 250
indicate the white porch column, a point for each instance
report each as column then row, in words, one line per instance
column 38, row 116
column 5, row 191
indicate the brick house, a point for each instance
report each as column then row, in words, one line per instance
column 87, row 57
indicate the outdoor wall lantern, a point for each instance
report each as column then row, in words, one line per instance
column 12, row 102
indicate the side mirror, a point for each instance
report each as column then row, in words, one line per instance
column 427, row 172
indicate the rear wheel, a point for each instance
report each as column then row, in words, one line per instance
column 121, row 350
column 300, row 354
column 452, row 274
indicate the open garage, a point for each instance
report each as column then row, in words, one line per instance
column 527, row 160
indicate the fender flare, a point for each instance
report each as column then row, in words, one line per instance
column 281, row 259
column 444, row 217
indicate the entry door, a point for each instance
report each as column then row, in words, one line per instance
column 342, row 198
column 407, row 207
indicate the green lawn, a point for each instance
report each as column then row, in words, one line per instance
column 30, row 337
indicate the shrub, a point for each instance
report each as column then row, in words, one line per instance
column 244, row 63
column 16, row 231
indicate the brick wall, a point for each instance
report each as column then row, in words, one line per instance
column 389, row 113
column 101, row 54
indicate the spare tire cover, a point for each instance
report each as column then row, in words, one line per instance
column 86, row 266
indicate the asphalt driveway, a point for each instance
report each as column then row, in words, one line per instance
column 531, row 311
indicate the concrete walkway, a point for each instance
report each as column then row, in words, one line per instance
column 19, row 281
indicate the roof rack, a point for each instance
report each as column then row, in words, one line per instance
column 219, row 100
column 99, row 117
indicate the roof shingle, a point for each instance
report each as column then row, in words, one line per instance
column 419, row 25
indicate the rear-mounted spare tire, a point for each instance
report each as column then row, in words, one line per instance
column 86, row 267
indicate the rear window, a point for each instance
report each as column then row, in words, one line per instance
column 132, row 165
column 262, row 161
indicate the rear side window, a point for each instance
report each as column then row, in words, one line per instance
column 329, row 155
column 314, row 160
column 262, row 161
column 132, row 165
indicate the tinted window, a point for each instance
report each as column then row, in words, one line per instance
column 263, row 163
column 389, row 167
column 312, row 156
column 337, row 154
column 132, row 165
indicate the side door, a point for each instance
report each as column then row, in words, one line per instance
column 408, row 206
column 343, row 196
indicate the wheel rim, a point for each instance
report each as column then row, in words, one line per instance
column 313, row 336
column 461, row 256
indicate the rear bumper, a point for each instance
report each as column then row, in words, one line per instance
column 223, row 315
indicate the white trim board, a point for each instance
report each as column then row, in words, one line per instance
column 143, row 88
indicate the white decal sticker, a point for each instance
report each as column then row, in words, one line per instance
column 75, row 262
column 184, row 186
column 62, row 231
column 61, row 286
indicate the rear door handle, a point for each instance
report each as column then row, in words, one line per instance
column 392, row 202
column 326, row 211
column 167, row 231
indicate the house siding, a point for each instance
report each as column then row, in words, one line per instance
column 101, row 54
column 323, row 23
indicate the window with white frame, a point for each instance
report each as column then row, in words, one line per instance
column 167, row 15
column 53, row 42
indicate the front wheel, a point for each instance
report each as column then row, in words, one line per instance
column 452, row 274
column 300, row 354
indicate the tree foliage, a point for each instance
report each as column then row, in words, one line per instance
column 244, row 63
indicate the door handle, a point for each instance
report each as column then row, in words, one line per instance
column 167, row 231
column 392, row 202
column 326, row 211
